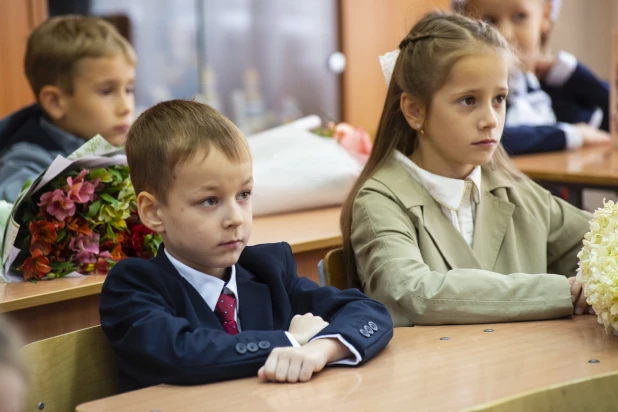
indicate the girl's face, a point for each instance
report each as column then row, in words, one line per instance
column 463, row 124
column 12, row 390
column 521, row 22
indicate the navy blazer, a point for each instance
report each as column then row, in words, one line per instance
column 574, row 102
column 163, row 331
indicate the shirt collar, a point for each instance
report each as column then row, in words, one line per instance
column 446, row 191
column 209, row 287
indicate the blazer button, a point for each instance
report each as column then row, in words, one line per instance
column 252, row 347
column 369, row 330
column 364, row 333
column 264, row 344
column 373, row 326
column 241, row 348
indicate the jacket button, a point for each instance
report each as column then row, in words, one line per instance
column 364, row 333
column 373, row 326
column 241, row 348
column 264, row 344
column 369, row 330
column 252, row 347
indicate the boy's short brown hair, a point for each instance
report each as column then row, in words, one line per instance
column 58, row 44
column 171, row 133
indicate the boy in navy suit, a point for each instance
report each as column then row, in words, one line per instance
column 208, row 308
column 554, row 103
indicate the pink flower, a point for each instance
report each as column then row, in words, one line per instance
column 80, row 190
column 355, row 140
column 58, row 204
column 87, row 247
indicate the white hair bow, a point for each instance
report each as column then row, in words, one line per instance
column 387, row 62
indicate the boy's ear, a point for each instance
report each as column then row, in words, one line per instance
column 148, row 208
column 413, row 110
column 53, row 101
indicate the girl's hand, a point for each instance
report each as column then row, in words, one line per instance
column 578, row 298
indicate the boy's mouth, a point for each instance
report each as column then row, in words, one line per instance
column 122, row 128
column 232, row 244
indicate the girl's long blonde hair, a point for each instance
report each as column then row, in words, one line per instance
column 427, row 55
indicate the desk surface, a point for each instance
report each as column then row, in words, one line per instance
column 597, row 166
column 304, row 231
column 417, row 371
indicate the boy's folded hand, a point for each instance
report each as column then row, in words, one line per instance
column 299, row 364
column 593, row 136
column 305, row 327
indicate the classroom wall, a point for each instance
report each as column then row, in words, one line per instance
column 583, row 29
column 17, row 19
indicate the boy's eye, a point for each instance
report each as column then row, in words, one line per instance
column 107, row 91
column 467, row 101
column 210, row 202
column 520, row 17
column 130, row 90
column 244, row 195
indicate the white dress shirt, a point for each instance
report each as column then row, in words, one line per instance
column 458, row 198
column 529, row 105
column 210, row 288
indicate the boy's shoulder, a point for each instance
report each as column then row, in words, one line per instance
column 259, row 260
column 30, row 125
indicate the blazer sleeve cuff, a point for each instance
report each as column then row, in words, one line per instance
column 348, row 361
column 562, row 70
column 293, row 341
column 574, row 138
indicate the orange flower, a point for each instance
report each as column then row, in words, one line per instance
column 35, row 266
column 43, row 236
column 79, row 225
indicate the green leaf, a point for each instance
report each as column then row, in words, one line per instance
column 61, row 266
column 110, row 233
column 110, row 200
column 115, row 174
column 61, row 235
column 94, row 209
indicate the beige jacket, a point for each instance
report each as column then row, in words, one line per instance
column 411, row 258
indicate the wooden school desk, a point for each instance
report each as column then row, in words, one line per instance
column 595, row 167
column 417, row 371
column 51, row 308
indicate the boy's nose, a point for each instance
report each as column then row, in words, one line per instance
column 234, row 217
column 124, row 105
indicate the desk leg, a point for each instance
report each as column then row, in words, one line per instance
column 307, row 263
column 42, row 322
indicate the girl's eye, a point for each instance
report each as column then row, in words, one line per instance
column 244, row 195
column 467, row 101
column 500, row 98
column 520, row 17
column 491, row 21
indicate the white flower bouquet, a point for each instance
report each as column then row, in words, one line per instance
column 598, row 266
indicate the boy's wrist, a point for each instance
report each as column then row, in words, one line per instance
column 331, row 348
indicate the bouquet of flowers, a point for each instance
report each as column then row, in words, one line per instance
column 353, row 139
column 79, row 217
column 598, row 265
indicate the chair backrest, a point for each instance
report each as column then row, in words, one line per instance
column 333, row 269
column 70, row 369
column 597, row 393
